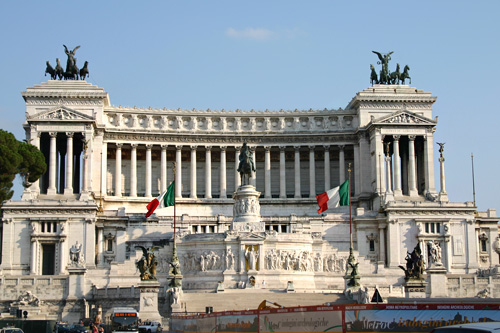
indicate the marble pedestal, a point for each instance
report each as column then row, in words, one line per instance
column 148, row 303
column 415, row 288
column 246, row 210
column 75, row 306
column 438, row 281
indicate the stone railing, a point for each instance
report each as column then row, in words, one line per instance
column 44, row 287
column 470, row 286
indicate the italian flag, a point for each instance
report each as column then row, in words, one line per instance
column 337, row 196
column 165, row 199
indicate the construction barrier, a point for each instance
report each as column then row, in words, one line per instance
column 338, row 318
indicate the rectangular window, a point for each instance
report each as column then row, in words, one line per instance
column 110, row 245
column 372, row 245
column 484, row 245
column 48, row 259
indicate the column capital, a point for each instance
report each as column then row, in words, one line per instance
column 119, row 145
column 282, row 148
column 53, row 134
column 208, row 148
column 178, row 147
column 223, row 148
column 311, row 147
column 149, row 146
column 396, row 137
column 341, row 147
column 134, row 145
column 412, row 137
column 164, row 146
column 326, row 147
column 297, row 147
column 237, row 148
column 267, row 148
column 193, row 147
column 70, row 134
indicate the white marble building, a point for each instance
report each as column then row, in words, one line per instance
column 105, row 163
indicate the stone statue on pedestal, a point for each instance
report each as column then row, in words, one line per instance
column 76, row 255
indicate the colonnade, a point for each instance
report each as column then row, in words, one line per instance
column 115, row 169
column 65, row 154
column 404, row 169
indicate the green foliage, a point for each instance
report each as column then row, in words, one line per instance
column 33, row 162
column 9, row 162
column 18, row 158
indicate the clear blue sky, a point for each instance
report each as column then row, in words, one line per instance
column 272, row 55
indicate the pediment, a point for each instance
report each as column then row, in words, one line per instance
column 61, row 113
column 251, row 236
column 403, row 117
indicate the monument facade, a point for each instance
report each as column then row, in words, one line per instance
column 79, row 227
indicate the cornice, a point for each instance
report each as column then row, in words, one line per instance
column 237, row 138
column 229, row 113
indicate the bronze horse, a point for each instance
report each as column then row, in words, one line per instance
column 405, row 75
column 49, row 69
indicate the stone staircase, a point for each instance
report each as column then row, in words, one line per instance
column 251, row 298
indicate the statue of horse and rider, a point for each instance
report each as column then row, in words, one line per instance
column 387, row 77
column 246, row 165
column 72, row 71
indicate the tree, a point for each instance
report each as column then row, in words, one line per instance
column 18, row 157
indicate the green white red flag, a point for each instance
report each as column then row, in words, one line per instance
column 166, row 199
column 337, row 196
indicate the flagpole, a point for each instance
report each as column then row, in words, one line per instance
column 350, row 207
column 473, row 185
column 175, row 206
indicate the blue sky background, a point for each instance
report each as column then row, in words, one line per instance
column 272, row 55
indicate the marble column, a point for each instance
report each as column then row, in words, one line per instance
column 52, row 164
column 223, row 184
column 148, row 178
column 388, row 175
column 412, row 179
column 312, row 173
column 327, row 167
column 133, row 170
column 443, row 196
column 253, row 176
column 397, row 166
column 33, row 261
column 69, row 164
column 62, row 256
column 208, row 172
column 430, row 187
column 298, row 193
column 267, row 171
column 87, row 162
column 104, row 168
column 163, row 172
column 381, row 232
column 282, row 173
column 35, row 137
column 237, row 177
column 178, row 171
column 100, row 246
column 356, row 170
column 193, row 194
column 341, row 164
column 118, row 170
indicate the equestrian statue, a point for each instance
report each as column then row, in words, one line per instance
column 247, row 165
